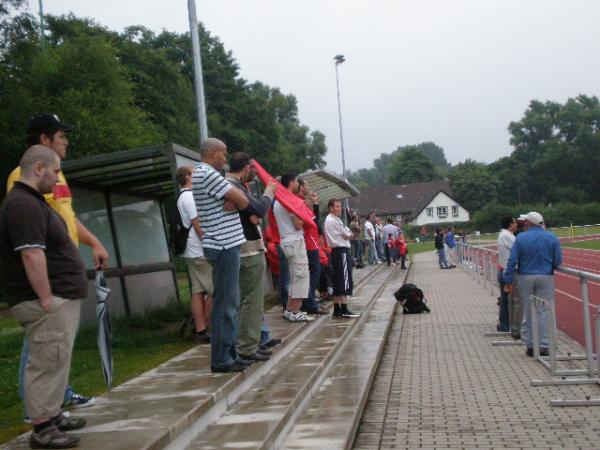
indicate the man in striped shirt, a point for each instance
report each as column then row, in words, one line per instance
column 217, row 203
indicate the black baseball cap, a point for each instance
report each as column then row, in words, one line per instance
column 47, row 121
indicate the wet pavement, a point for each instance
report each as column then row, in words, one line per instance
column 442, row 385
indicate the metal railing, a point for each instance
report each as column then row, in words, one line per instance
column 481, row 263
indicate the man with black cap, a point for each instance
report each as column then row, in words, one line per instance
column 536, row 253
column 47, row 129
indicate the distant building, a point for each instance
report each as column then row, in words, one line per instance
column 424, row 203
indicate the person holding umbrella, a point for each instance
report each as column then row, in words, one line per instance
column 48, row 130
column 45, row 282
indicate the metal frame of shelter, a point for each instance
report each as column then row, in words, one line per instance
column 147, row 172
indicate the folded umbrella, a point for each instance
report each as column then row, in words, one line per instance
column 104, row 329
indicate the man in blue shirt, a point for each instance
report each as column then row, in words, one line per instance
column 536, row 253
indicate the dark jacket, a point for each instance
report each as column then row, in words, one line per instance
column 258, row 208
column 439, row 241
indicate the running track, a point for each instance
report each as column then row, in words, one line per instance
column 569, row 306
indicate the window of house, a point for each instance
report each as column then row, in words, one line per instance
column 455, row 210
column 442, row 211
column 429, row 212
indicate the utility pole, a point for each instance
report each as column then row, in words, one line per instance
column 42, row 34
column 339, row 59
column 198, row 79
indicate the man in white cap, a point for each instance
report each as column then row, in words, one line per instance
column 536, row 253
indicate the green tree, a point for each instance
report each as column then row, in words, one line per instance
column 411, row 165
column 473, row 185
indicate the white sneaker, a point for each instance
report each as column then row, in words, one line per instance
column 299, row 316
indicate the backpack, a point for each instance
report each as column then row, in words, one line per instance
column 411, row 298
column 178, row 234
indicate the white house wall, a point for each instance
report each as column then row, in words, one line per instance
column 442, row 200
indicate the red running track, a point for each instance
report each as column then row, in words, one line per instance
column 569, row 304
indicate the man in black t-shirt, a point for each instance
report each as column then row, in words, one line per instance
column 45, row 280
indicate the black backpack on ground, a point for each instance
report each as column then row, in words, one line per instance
column 412, row 299
column 178, row 234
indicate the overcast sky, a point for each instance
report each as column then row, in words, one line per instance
column 451, row 72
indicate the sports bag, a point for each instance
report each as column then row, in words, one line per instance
column 412, row 299
column 178, row 234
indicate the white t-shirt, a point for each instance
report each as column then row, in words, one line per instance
column 369, row 227
column 334, row 229
column 505, row 242
column 285, row 223
column 187, row 209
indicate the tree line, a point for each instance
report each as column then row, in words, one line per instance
column 554, row 167
column 135, row 88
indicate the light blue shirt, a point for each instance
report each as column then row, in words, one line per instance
column 536, row 252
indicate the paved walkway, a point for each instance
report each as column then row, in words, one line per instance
column 441, row 384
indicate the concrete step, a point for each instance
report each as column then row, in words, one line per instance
column 171, row 402
column 331, row 418
column 262, row 417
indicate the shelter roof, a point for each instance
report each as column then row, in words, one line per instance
column 147, row 171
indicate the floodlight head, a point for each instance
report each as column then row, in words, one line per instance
column 339, row 59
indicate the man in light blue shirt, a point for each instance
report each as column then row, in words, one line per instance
column 536, row 253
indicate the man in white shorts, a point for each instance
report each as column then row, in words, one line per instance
column 293, row 246
column 199, row 269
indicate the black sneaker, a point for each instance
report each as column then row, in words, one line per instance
column 543, row 352
column 337, row 314
column 235, row 367
column 52, row 437
column 347, row 314
column 255, row 357
column 69, row 423
column 264, row 351
column 202, row 337
column 273, row 342
column 245, row 361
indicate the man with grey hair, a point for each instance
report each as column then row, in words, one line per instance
column 45, row 281
column 223, row 236
column 536, row 253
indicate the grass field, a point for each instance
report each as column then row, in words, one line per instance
column 590, row 245
column 140, row 343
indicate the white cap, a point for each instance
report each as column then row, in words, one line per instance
column 535, row 218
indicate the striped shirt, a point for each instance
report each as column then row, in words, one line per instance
column 222, row 229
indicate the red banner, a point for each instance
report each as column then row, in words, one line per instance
column 289, row 201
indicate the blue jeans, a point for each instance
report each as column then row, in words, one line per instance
column 22, row 363
column 372, row 253
column 390, row 255
column 356, row 250
column 283, row 283
column 226, row 305
column 379, row 247
column 503, row 313
column 442, row 258
column 265, row 333
column 314, row 269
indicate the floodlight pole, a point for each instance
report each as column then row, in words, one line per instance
column 198, row 79
column 42, row 35
column 339, row 59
